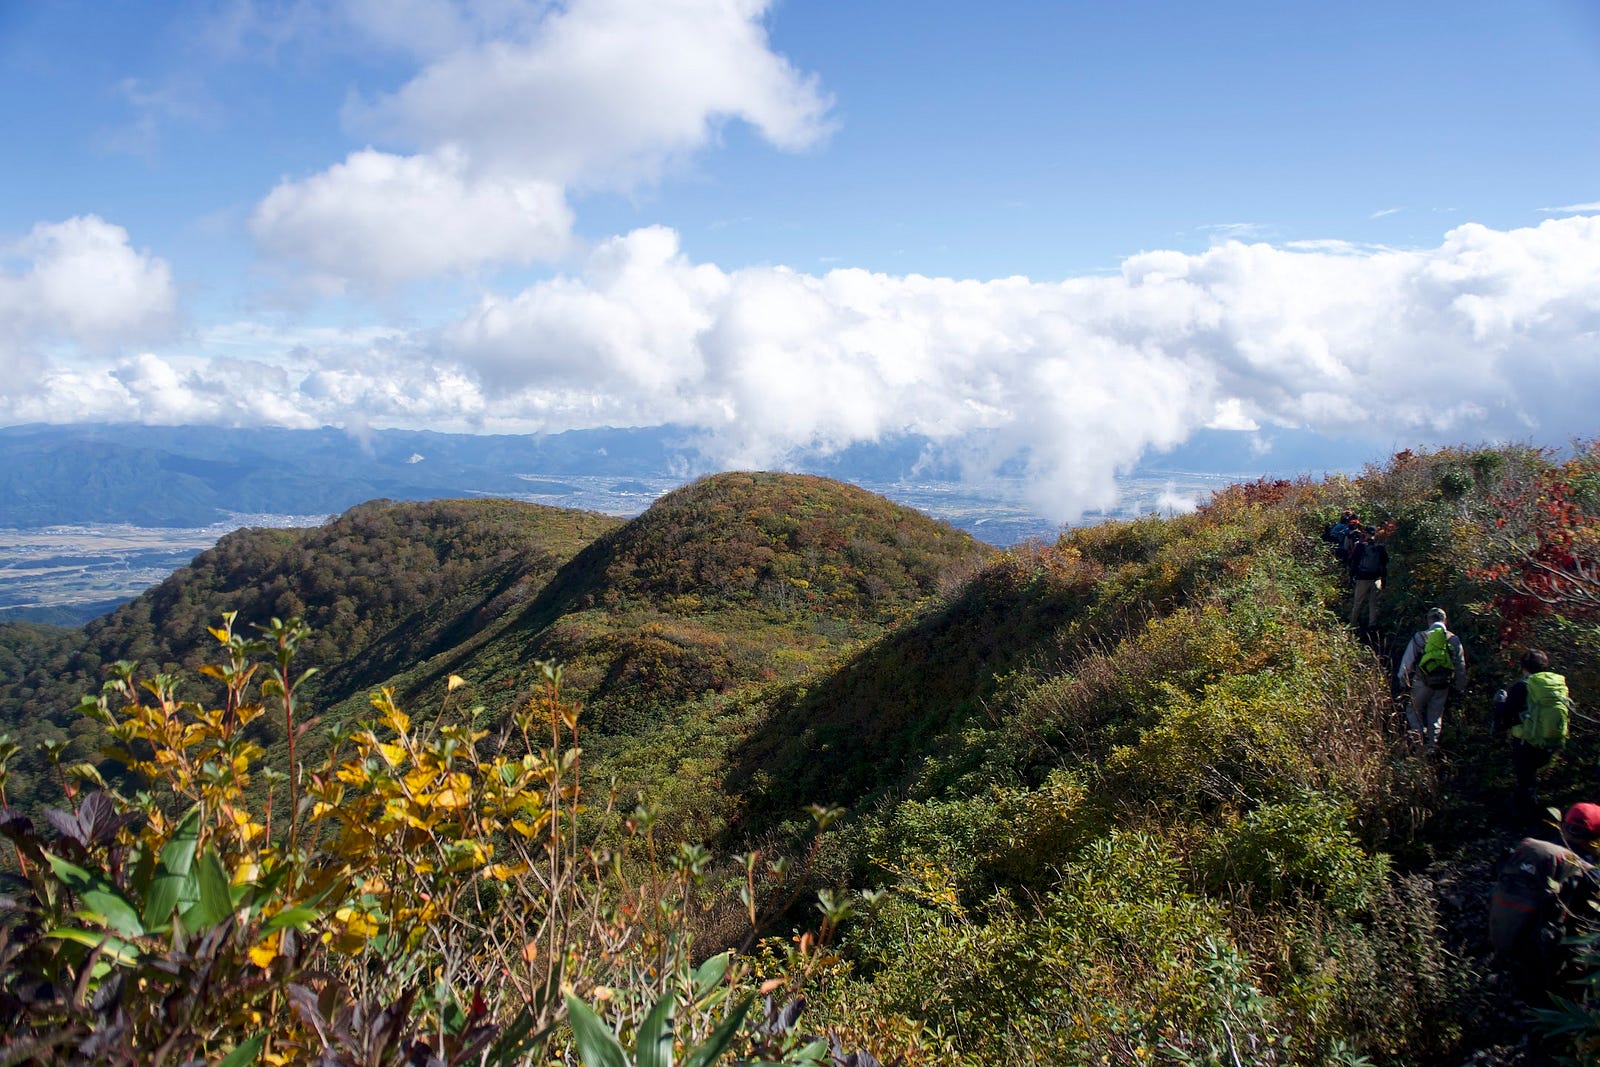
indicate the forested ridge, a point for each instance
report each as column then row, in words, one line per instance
column 1138, row 796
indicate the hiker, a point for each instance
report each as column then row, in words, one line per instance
column 1432, row 666
column 1335, row 533
column 1369, row 565
column 1352, row 539
column 1536, row 711
column 1541, row 898
column 1353, row 532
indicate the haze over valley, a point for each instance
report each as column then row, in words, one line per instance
column 69, row 548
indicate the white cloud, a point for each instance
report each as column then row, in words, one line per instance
column 1490, row 335
column 514, row 105
column 78, row 287
column 1573, row 209
column 380, row 219
column 164, row 392
column 1174, row 501
column 1230, row 415
column 604, row 92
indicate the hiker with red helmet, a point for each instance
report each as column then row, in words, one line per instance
column 1542, row 897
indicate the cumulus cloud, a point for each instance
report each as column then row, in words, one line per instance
column 1490, row 335
column 514, row 105
column 78, row 287
column 604, row 91
column 380, row 219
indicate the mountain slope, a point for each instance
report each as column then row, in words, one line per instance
column 738, row 579
column 382, row 586
column 735, row 580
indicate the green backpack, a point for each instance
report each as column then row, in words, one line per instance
column 1544, row 723
column 1436, row 667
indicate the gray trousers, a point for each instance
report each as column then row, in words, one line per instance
column 1425, row 712
column 1367, row 594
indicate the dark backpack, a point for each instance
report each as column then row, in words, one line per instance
column 1337, row 534
column 1366, row 561
column 1435, row 667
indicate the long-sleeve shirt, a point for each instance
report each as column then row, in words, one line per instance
column 1419, row 641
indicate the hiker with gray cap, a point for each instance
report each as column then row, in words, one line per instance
column 1432, row 666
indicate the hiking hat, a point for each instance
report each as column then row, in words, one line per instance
column 1581, row 823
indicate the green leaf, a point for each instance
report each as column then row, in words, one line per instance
column 72, row 876
column 173, row 885
column 139, row 878
column 654, row 1046
column 708, row 974
column 216, row 898
column 597, row 1045
column 720, row 1038
column 112, row 948
column 248, row 1052
column 816, row 1052
column 297, row 916
column 103, row 903
column 114, row 910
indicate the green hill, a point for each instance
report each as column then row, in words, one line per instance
column 383, row 585
column 736, row 580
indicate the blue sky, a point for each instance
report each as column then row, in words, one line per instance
column 1078, row 234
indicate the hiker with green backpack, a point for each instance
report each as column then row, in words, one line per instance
column 1432, row 666
column 1535, row 711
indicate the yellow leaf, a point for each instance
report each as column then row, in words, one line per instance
column 263, row 954
column 353, row 773
column 504, row 872
column 456, row 682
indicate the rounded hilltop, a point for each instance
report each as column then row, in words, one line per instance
column 788, row 541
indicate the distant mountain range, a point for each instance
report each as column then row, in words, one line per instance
column 195, row 476
column 156, row 476
column 97, row 514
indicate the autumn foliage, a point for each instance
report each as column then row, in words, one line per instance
column 1543, row 546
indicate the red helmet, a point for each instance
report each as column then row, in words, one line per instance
column 1582, row 822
